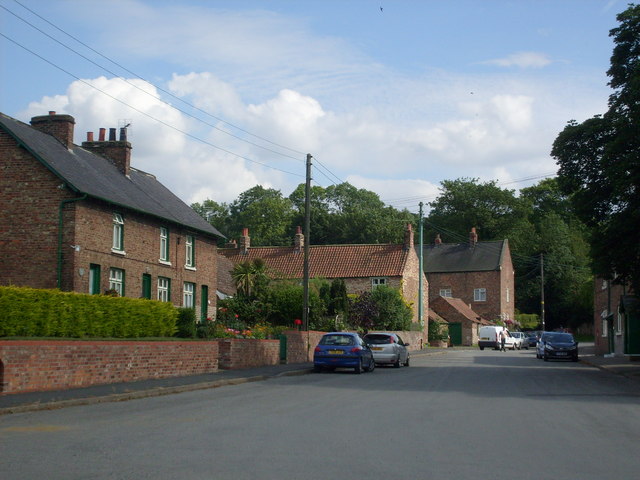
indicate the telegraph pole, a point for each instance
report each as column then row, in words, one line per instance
column 420, row 272
column 542, row 291
column 307, row 241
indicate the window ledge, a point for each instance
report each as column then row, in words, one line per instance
column 164, row 262
column 193, row 269
column 118, row 252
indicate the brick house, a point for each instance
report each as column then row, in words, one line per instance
column 616, row 319
column 456, row 312
column 362, row 267
column 81, row 218
column 479, row 273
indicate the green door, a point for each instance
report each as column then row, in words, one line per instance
column 94, row 279
column 455, row 332
column 204, row 303
column 631, row 310
column 146, row 286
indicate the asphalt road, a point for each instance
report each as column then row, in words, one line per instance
column 461, row 415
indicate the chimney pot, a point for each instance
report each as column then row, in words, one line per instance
column 123, row 134
column 112, row 134
column 89, row 136
column 52, row 112
column 102, row 134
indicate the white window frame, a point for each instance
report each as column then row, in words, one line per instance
column 479, row 294
column 117, row 244
column 603, row 316
column 446, row 293
column 508, row 295
column 377, row 281
column 164, row 287
column 190, row 252
column 164, row 246
column 189, row 295
column 116, row 280
column 618, row 322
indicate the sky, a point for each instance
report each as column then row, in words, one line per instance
column 392, row 96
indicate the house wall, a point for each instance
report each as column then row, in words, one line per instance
column 28, row 366
column 30, row 203
column 94, row 230
column 507, row 286
column 462, row 285
column 28, row 223
column 608, row 338
column 411, row 289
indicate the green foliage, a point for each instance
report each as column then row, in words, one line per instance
column 392, row 312
column 437, row 331
column 528, row 321
column 51, row 313
column 251, row 278
column 186, row 323
column 599, row 166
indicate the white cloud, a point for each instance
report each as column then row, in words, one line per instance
column 521, row 60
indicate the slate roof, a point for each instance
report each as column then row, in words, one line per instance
column 87, row 173
column 461, row 257
column 328, row 261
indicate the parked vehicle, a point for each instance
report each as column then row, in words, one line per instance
column 520, row 340
column 489, row 336
column 557, row 345
column 388, row 348
column 343, row 350
column 532, row 339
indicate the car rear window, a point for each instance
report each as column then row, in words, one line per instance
column 378, row 339
column 337, row 340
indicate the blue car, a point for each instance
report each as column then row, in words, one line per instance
column 343, row 350
column 557, row 345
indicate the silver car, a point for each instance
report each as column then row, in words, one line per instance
column 388, row 348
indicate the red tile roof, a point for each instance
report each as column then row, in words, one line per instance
column 328, row 261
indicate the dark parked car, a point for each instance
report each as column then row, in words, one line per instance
column 557, row 345
column 388, row 348
column 343, row 350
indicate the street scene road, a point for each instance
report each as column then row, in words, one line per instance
column 459, row 415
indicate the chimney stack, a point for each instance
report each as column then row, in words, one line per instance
column 298, row 241
column 245, row 241
column 473, row 237
column 59, row 126
column 408, row 237
column 118, row 152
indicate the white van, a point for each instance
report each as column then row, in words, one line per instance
column 489, row 336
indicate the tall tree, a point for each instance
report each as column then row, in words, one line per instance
column 599, row 162
column 267, row 215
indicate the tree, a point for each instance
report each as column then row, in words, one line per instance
column 217, row 214
column 266, row 213
column 251, row 278
column 466, row 203
column 393, row 313
column 599, row 162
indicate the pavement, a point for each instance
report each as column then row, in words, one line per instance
column 117, row 392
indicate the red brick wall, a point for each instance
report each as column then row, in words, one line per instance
column 45, row 365
column 300, row 345
column 248, row 352
column 28, row 223
column 606, row 299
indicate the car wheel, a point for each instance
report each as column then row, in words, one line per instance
column 537, row 355
column 372, row 366
column 358, row 368
column 546, row 359
column 396, row 364
column 317, row 369
column 406, row 364
column 574, row 359
column 481, row 348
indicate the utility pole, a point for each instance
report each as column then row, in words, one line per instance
column 307, row 241
column 420, row 272
column 542, row 291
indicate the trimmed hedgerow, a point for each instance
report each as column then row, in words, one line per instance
column 30, row 312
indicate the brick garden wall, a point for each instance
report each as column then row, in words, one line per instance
column 28, row 366
column 238, row 353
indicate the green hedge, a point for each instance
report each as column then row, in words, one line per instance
column 30, row 312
